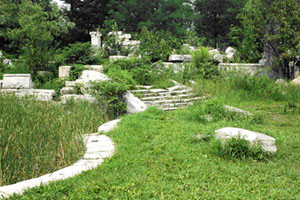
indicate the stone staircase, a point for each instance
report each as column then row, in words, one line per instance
column 178, row 96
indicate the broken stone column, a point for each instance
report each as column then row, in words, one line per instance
column 96, row 39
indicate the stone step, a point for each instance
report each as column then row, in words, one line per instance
column 171, row 105
column 180, row 96
column 174, row 100
column 166, row 93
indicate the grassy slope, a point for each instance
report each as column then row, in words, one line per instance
column 39, row 137
column 158, row 157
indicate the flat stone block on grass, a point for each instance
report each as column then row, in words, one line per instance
column 106, row 127
column 17, row 81
column 267, row 143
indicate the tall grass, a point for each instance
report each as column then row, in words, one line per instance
column 38, row 137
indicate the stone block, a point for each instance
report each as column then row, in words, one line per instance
column 248, row 68
column 134, row 104
column 75, row 97
column 296, row 81
column 176, row 58
column 70, row 83
column 91, row 75
column 216, row 55
column 178, row 67
column 113, row 58
column 187, row 58
column 98, row 68
column 67, row 90
column 64, row 71
column 237, row 110
column 230, row 53
column 267, row 143
column 17, row 81
column 95, row 39
column 104, row 128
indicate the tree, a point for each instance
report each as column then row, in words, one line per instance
column 215, row 17
column 168, row 15
column 31, row 31
column 272, row 27
column 88, row 15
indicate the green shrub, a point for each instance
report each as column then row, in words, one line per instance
column 109, row 94
column 239, row 148
column 203, row 64
column 121, row 76
column 76, row 71
column 77, row 53
column 53, row 84
column 157, row 45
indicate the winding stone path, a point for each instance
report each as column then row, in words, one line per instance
column 98, row 147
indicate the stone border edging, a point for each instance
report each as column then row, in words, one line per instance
column 98, row 147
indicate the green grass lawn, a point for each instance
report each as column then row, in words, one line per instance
column 158, row 156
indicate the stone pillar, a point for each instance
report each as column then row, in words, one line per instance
column 96, row 39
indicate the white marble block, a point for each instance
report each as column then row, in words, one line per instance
column 267, row 143
column 17, row 81
column 176, row 58
column 134, row 104
column 96, row 39
column 64, row 71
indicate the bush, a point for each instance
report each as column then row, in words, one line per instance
column 202, row 63
column 76, row 71
column 157, row 45
column 239, row 148
column 121, row 76
column 77, row 53
column 53, row 84
column 109, row 95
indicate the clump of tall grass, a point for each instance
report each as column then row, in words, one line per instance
column 38, row 137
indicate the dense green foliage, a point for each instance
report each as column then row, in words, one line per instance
column 38, row 137
column 215, row 17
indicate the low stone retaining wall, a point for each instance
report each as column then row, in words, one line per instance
column 248, row 68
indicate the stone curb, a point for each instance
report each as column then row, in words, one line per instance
column 98, row 147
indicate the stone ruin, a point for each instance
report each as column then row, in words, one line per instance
column 21, row 85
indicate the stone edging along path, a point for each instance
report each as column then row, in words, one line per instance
column 98, row 147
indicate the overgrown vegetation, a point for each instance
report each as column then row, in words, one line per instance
column 38, row 137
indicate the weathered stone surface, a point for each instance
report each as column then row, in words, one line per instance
column 76, row 97
column 249, row 68
column 134, row 104
column 178, row 67
column 98, row 68
column 230, row 53
column 17, row 81
column 237, row 110
column 64, row 71
column 216, row 55
column 176, row 58
column 104, row 128
column 281, row 82
column 187, row 58
column 37, row 94
column 44, row 73
column 113, row 58
column 91, row 75
column 267, row 143
column 67, row 90
column 70, row 83
column 296, row 81
column 96, row 39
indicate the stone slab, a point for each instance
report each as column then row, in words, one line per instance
column 237, row 110
column 64, row 71
column 98, row 68
column 67, row 90
column 76, row 97
column 114, row 58
column 104, row 128
column 134, row 104
column 176, row 58
column 266, row 142
column 17, row 81
column 247, row 68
